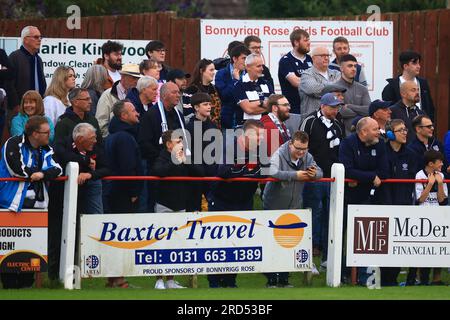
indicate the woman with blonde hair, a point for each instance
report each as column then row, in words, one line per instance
column 56, row 101
column 31, row 105
column 95, row 81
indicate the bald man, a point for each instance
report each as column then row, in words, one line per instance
column 406, row 109
column 363, row 154
column 364, row 157
column 162, row 117
column 315, row 79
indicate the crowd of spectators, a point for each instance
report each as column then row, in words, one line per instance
column 150, row 119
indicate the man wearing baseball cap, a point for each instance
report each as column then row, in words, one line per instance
column 379, row 111
column 129, row 77
column 326, row 131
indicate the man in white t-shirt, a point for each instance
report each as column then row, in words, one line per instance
column 112, row 61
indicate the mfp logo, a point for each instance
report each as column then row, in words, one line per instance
column 371, row 235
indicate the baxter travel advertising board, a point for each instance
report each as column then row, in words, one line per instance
column 398, row 236
column 195, row 243
column 370, row 42
column 23, row 241
column 79, row 54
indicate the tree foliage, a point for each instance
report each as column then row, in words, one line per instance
column 22, row 9
column 322, row 8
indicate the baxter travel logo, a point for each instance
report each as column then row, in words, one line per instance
column 371, row 235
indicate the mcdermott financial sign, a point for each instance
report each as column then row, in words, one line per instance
column 398, row 236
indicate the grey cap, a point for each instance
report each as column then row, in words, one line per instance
column 333, row 88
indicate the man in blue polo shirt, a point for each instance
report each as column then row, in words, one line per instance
column 292, row 65
column 252, row 91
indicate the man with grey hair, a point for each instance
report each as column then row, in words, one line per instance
column 315, row 79
column 27, row 67
column 78, row 112
column 143, row 97
column 80, row 147
column 157, row 120
column 252, row 91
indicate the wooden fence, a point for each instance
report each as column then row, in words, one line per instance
column 424, row 31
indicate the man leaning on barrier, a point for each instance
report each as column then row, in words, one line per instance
column 26, row 156
column 241, row 158
column 364, row 157
column 293, row 164
column 81, row 148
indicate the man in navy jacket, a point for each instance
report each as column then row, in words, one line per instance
column 226, row 79
column 124, row 157
column 364, row 157
column 410, row 64
column 424, row 140
column 365, row 160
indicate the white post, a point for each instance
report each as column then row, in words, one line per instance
column 67, row 266
column 335, row 225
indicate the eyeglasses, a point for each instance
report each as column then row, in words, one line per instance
column 85, row 99
column 256, row 48
column 44, row 132
column 323, row 55
column 428, row 126
column 160, row 50
column 403, row 130
column 287, row 105
column 35, row 37
column 300, row 149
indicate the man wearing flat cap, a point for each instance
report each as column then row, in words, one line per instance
column 129, row 77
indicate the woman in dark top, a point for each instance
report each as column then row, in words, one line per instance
column 202, row 79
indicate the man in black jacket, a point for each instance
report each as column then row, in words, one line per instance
column 406, row 108
column 410, row 64
column 326, row 131
column 82, row 148
column 26, row 64
column 161, row 117
column 171, row 196
column 124, row 157
column 242, row 157
column 6, row 75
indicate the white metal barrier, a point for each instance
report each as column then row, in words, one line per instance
column 335, row 225
column 69, row 273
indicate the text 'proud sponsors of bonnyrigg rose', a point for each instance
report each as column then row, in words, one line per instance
column 195, row 243
column 398, row 236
